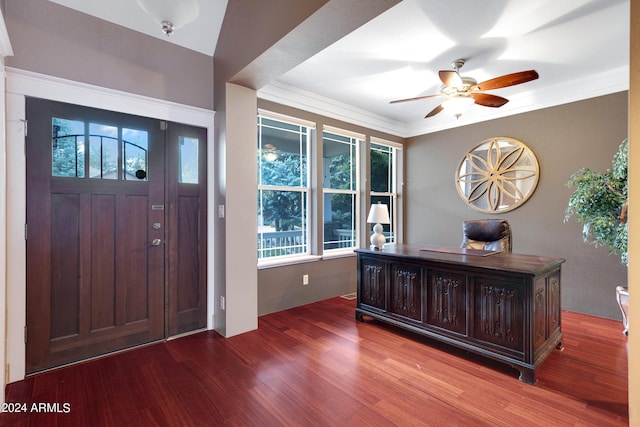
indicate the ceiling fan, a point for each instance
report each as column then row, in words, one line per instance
column 460, row 92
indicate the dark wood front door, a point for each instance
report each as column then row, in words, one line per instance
column 97, row 233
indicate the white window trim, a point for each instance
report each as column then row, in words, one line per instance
column 274, row 261
column 395, row 192
column 360, row 139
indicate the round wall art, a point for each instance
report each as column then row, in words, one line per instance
column 497, row 175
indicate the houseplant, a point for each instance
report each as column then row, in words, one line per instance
column 600, row 203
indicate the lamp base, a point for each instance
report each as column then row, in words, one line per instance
column 377, row 238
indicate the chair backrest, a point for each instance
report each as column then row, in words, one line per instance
column 487, row 234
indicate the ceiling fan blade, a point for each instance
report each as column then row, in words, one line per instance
column 434, row 111
column 414, row 99
column 508, row 80
column 488, row 100
column 450, row 78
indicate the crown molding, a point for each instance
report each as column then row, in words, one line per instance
column 611, row 81
column 314, row 103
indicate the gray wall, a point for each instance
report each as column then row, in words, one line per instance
column 564, row 139
column 58, row 41
column 280, row 288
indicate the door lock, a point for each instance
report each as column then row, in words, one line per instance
column 157, row 226
column 155, row 242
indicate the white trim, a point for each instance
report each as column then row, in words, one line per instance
column 344, row 132
column 313, row 103
column 285, row 261
column 388, row 143
column 610, row 81
column 284, row 118
column 22, row 84
column 28, row 83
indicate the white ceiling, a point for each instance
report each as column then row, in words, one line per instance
column 200, row 35
column 580, row 49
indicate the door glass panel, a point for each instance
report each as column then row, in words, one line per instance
column 135, row 148
column 188, row 160
column 103, row 151
column 67, row 148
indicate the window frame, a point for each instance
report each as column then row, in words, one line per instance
column 304, row 190
column 357, row 140
column 395, row 185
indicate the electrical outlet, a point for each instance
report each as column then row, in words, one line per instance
column 305, row 279
column 221, row 302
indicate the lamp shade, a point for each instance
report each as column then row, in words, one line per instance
column 378, row 214
column 177, row 12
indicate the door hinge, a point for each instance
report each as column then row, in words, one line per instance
column 25, row 334
column 26, row 228
column 163, row 125
column 26, row 127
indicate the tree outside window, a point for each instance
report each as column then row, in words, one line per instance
column 340, row 189
column 382, row 172
column 283, row 188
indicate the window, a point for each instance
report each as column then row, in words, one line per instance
column 383, row 173
column 283, row 187
column 106, row 144
column 188, row 160
column 340, row 189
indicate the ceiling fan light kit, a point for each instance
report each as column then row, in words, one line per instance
column 457, row 104
column 461, row 92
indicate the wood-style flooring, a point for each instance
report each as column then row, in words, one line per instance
column 317, row 366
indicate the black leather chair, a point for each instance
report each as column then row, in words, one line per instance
column 487, row 234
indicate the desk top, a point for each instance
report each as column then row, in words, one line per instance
column 515, row 263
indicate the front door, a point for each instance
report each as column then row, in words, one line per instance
column 97, row 236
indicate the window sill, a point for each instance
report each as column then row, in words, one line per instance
column 340, row 254
column 283, row 262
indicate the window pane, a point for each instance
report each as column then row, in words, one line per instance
column 135, row 147
column 387, row 229
column 339, row 220
column 188, row 161
column 67, row 148
column 282, row 154
column 103, row 151
column 381, row 168
column 282, row 223
column 339, row 162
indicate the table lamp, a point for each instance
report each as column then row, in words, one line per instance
column 378, row 214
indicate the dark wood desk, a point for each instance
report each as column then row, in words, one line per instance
column 502, row 306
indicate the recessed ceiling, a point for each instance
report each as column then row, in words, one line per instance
column 580, row 48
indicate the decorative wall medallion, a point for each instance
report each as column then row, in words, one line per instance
column 497, row 175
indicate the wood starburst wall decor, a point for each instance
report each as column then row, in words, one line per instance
column 497, row 175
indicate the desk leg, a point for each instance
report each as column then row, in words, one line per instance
column 527, row 375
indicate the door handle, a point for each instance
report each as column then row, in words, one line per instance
column 155, row 242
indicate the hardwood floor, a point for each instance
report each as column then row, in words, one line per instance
column 316, row 366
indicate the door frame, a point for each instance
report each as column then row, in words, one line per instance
column 21, row 84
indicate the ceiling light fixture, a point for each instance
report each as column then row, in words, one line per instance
column 171, row 14
column 457, row 104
